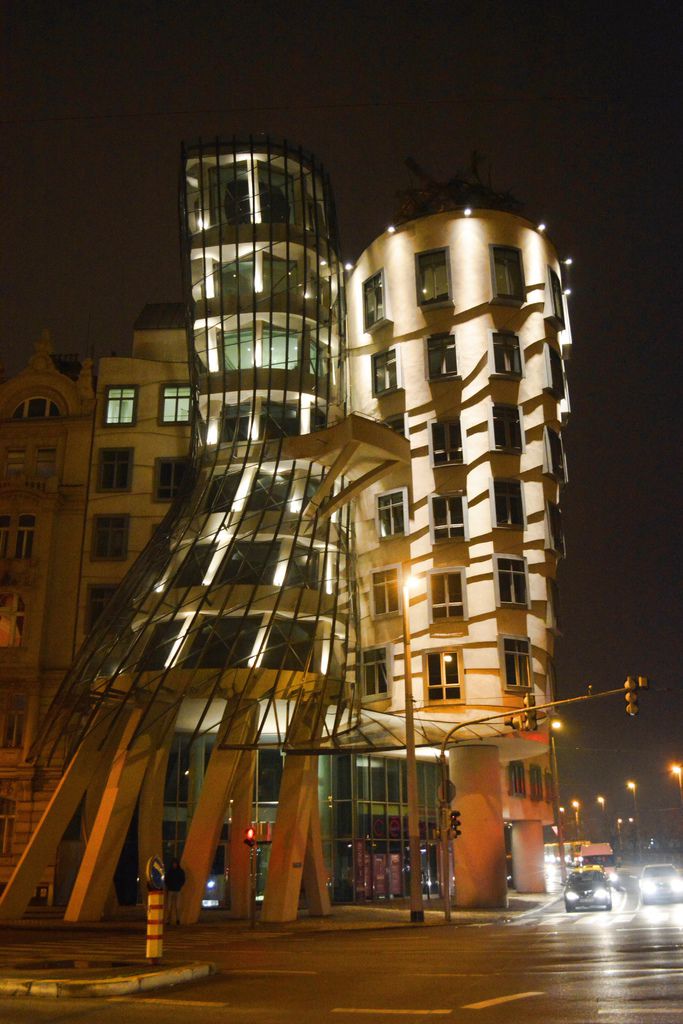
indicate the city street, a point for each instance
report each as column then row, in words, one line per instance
column 625, row 965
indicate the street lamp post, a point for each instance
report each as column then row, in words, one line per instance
column 416, row 905
column 636, row 824
column 577, row 817
column 677, row 770
column 555, row 726
column 601, row 801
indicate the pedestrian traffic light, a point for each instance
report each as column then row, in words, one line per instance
column 530, row 718
column 250, row 835
column 631, row 695
column 455, row 824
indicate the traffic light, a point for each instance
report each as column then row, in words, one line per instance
column 631, row 695
column 514, row 722
column 455, row 824
column 530, row 718
column 250, row 836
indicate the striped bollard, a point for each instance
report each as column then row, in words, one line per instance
column 155, row 926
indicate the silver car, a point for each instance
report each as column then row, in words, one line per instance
column 661, row 883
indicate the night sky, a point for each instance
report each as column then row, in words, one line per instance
column 577, row 113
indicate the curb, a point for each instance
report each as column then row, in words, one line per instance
column 65, row 988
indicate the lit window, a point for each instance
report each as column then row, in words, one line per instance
column 7, row 818
column 556, row 299
column 507, row 430
column 110, row 537
column 554, row 461
column 5, row 522
column 46, row 463
column 168, row 477
column 35, row 408
column 235, row 282
column 384, row 372
column 176, row 403
column 512, row 580
column 508, row 278
column 280, row 348
column 279, row 276
column 432, row 277
column 447, row 516
column 509, row 507
column 25, row 534
column 441, row 356
column 443, row 676
column 446, row 441
column 373, row 300
column 507, row 356
column 12, row 614
column 447, row 594
column 516, row 661
column 115, row 469
column 238, row 348
column 14, row 462
column 386, row 598
column 555, row 531
column 392, row 513
column 375, row 676
column 120, row 405
column 555, row 373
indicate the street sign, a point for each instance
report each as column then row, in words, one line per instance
column 155, row 873
column 446, row 791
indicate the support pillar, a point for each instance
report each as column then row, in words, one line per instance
column 528, row 874
column 479, row 853
column 242, row 810
column 151, row 807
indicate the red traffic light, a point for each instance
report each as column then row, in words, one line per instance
column 250, row 835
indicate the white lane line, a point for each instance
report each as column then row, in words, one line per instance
column 263, row 970
column 394, row 1013
column 641, row 1011
column 501, row 999
column 164, row 1002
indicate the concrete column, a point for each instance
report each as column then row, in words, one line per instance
column 242, row 811
column 151, row 806
column 480, row 872
column 528, row 873
column 315, row 877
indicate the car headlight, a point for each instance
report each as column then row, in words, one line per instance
column 677, row 885
column 601, row 894
column 571, row 896
column 613, row 876
column 646, row 885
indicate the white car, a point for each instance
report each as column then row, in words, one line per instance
column 661, row 883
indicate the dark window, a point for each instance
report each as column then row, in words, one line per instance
column 176, row 402
column 384, row 372
column 507, row 431
column 222, row 491
column 507, row 358
column 508, row 502
column 276, row 190
column 46, row 463
column 397, row 423
column 14, row 462
column 554, row 605
column 270, row 491
column 161, row 643
column 385, row 592
column 448, row 516
column 250, row 562
column 556, row 375
column 555, row 455
column 35, row 408
column 115, row 469
column 25, row 533
column 195, row 566
column 229, row 187
column 289, row 645
column 555, row 531
column 279, row 275
column 512, row 585
column 556, row 298
column 14, row 720
column 441, row 356
column 223, row 642
column 236, row 282
column 303, row 568
column 169, row 475
column 280, row 419
column 391, row 514
column 8, row 811
column 446, row 591
column 5, row 522
column 373, row 300
column 235, row 423
column 535, row 782
column 508, row 280
column 432, row 277
column 446, row 442
column 443, row 679
column 120, row 405
column 375, row 672
column 516, row 779
column 110, row 537
column 517, row 658
column 98, row 599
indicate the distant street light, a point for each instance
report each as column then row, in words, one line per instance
column 577, row 817
column 633, row 787
column 677, row 770
column 601, row 801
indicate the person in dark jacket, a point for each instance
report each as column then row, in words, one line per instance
column 174, row 881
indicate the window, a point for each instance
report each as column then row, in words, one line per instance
column 555, row 531
column 223, row 641
column 25, row 533
column 12, row 614
column 250, row 562
column 269, row 491
column 176, row 402
column 238, row 348
column 303, row 568
column 555, row 372
column 115, row 470
column 507, row 355
column 110, row 537
column 432, row 277
column 289, row 645
column 553, row 617
column 447, row 516
column 556, row 299
column 441, row 356
column 446, row 441
column 535, row 782
column 553, row 461
column 548, row 787
column 7, row 816
column 384, row 372
column 516, row 779
column 168, row 477
column 516, row 652
column 120, row 405
column 35, row 408
column 14, row 462
column 5, row 522
column 276, row 193
column 375, row 676
column 507, row 431
column 512, row 580
column 508, row 277
column 236, row 421
column 508, row 503
column 13, row 720
column 281, row 348
column 447, row 595
column 46, row 463
column 392, row 513
column 237, row 187
column 443, row 676
column 222, row 492
column 386, row 597
column 373, row 300
column 280, row 419
column 397, row 423
column 279, row 275
column 98, row 599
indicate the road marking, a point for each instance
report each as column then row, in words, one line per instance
column 263, row 970
column 164, row 1002
column 641, row 1011
column 394, row 1013
column 501, row 999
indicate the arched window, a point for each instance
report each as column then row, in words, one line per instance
column 7, row 816
column 35, row 408
column 12, row 613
